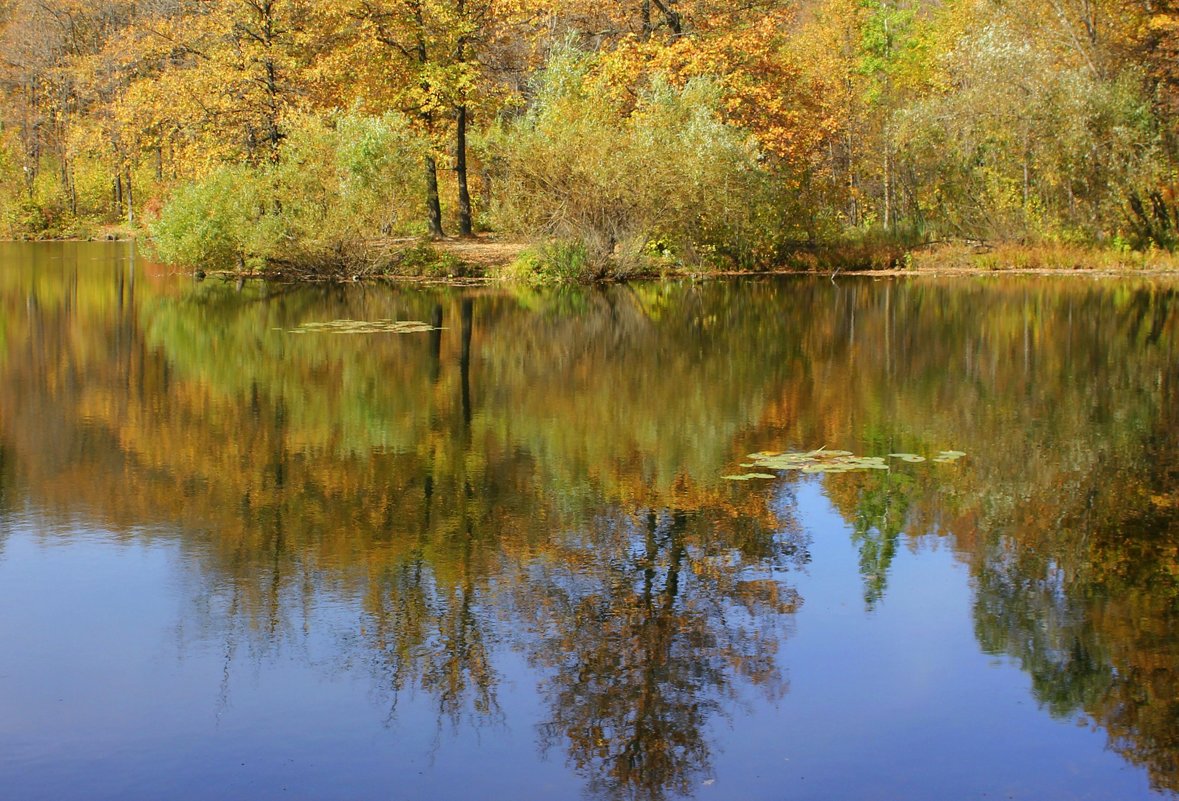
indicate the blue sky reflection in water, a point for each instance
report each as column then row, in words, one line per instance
column 240, row 564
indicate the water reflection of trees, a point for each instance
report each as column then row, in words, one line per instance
column 1066, row 508
column 415, row 478
column 392, row 474
column 645, row 626
column 1085, row 597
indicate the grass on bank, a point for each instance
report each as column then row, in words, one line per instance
column 569, row 262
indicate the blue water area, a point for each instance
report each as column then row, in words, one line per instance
column 499, row 554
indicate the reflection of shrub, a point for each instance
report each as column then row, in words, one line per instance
column 581, row 167
column 339, row 184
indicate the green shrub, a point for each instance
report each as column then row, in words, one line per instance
column 345, row 180
column 340, row 183
column 423, row 259
column 557, row 262
column 228, row 220
column 582, row 167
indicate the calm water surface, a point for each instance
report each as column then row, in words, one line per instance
column 499, row 559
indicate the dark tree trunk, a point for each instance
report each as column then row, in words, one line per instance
column 433, row 203
column 460, row 172
column 671, row 16
column 130, row 200
column 460, row 128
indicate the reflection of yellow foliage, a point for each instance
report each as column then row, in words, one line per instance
column 385, row 471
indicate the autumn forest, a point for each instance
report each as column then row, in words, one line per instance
column 612, row 136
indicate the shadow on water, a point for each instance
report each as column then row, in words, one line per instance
column 540, row 472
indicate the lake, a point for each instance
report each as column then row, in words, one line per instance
column 514, row 551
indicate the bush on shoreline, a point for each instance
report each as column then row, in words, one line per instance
column 612, row 188
column 340, row 187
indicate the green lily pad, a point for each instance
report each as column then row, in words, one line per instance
column 748, row 477
column 364, row 327
column 912, row 458
column 816, row 461
column 825, row 461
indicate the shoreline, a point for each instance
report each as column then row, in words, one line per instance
column 476, row 262
column 923, row 272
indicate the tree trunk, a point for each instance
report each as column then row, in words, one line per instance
column 433, row 203
column 460, row 129
column 671, row 16
column 460, row 173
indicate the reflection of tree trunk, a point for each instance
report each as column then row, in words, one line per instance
column 279, row 433
column 428, row 496
column 465, row 359
column 652, row 553
column 679, row 524
column 435, row 344
column 276, row 573
column 1161, row 307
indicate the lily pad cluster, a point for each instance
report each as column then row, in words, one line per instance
column 825, row 461
column 364, row 327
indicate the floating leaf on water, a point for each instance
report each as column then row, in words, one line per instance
column 948, row 457
column 748, row 476
column 364, row 327
column 908, row 457
column 825, row 461
column 817, row 461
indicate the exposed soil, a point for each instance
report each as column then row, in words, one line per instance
column 481, row 251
